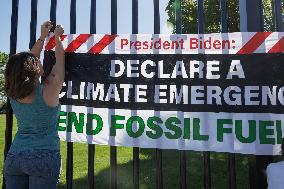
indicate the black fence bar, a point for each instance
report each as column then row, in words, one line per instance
column 178, row 16
column 91, row 147
column 69, row 165
column 254, row 16
column 14, row 27
column 47, row 66
column 33, row 23
column 201, row 19
column 244, row 28
column 8, row 131
column 53, row 5
column 91, row 166
column 183, row 178
column 113, row 149
column 206, row 155
column 159, row 168
column 135, row 149
column 182, row 153
column 207, row 170
column 224, row 16
column 231, row 157
column 73, row 17
column 135, row 16
column 232, row 171
column 255, row 23
column 273, row 15
column 69, row 161
column 156, row 17
column 93, row 17
column 9, row 111
column 136, row 167
column 277, row 15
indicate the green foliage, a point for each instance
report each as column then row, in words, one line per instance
column 267, row 15
column 212, row 15
column 3, row 60
column 189, row 15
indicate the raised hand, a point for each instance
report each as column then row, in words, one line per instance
column 45, row 27
column 58, row 31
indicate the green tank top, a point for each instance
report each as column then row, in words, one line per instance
column 37, row 124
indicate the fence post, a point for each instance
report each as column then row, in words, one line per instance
column 53, row 10
column 182, row 153
column 69, row 161
column 33, row 23
column 159, row 166
column 113, row 149
column 9, row 111
column 91, row 147
column 231, row 156
column 206, row 155
column 278, row 15
column 254, row 16
column 136, row 150
column 255, row 23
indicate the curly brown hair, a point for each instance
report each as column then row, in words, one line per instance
column 21, row 75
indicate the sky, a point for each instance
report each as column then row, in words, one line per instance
column 145, row 18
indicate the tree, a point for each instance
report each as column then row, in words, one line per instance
column 212, row 15
column 3, row 60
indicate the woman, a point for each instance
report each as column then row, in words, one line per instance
column 33, row 160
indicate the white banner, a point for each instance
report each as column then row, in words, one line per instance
column 245, row 133
column 209, row 92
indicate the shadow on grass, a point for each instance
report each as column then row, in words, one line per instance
column 147, row 171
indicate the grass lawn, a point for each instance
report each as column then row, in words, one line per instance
column 219, row 167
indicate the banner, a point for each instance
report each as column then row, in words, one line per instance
column 209, row 92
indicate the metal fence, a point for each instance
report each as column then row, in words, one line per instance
column 251, row 18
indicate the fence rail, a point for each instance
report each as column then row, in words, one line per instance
column 251, row 20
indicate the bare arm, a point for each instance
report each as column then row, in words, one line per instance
column 58, row 69
column 53, row 83
column 37, row 48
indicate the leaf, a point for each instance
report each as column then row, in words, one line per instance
column 3, row 60
column 212, row 15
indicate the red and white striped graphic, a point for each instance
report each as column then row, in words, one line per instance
column 256, row 40
column 51, row 42
column 85, row 43
column 216, row 43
